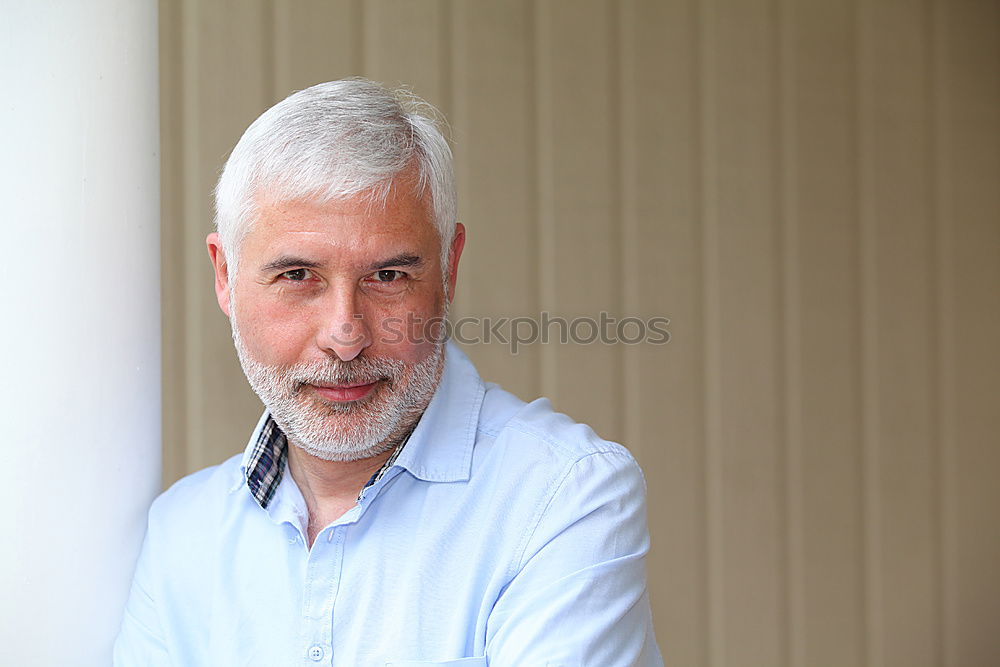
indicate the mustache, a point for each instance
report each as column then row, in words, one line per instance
column 360, row 370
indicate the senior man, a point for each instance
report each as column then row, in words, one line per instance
column 390, row 508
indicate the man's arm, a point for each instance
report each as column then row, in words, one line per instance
column 579, row 594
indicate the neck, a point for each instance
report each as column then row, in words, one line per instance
column 331, row 488
column 321, row 480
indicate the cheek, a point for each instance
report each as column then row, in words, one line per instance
column 273, row 335
column 408, row 330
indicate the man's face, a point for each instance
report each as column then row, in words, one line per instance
column 328, row 309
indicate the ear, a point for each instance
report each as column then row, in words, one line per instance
column 457, row 244
column 221, row 266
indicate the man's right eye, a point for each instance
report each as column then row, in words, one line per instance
column 296, row 275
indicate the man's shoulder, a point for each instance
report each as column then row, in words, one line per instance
column 538, row 431
column 198, row 494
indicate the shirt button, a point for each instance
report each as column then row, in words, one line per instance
column 316, row 653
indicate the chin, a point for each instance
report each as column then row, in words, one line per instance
column 338, row 452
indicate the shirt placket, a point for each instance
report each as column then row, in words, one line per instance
column 322, row 583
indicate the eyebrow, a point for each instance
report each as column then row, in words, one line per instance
column 403, row 261
column 286, row 262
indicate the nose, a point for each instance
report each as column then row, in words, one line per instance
column 344, row 331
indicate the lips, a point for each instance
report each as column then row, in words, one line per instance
column 344, row 393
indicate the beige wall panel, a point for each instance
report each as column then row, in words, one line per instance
column 663, row 391
column 579, row 203
column 226, row 60
column 899, row 376
column 968, row 100
column 315, row 41
column 743, row 336
column 808, row 190
column 494, row 135
column 409, row 42
column 173, row 244
column 822, row 355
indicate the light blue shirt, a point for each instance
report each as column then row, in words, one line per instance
column 504, row 534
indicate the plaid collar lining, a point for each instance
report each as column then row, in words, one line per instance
column 267, row 463
column 269, row 458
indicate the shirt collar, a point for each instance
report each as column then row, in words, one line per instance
column 438, row 450
column 264, row 460
column 440, row 447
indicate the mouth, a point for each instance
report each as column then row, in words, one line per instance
column 345, row 393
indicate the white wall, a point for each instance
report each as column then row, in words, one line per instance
column 80, row 328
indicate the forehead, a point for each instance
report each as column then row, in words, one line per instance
column 343, row 230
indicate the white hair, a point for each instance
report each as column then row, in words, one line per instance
column 335, row 141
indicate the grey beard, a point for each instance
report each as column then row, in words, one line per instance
column 343, row 431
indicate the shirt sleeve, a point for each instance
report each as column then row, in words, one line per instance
column 578, row 595
column 140, row 640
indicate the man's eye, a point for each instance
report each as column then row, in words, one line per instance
column 296, row 275
column 388, row 275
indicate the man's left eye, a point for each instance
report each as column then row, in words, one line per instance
column 297, row 275
column 387, row 275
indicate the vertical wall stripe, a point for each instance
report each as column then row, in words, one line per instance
column 743, row 295
column 897, row 132
column 869, row 378
column 492, row 72
column 446, row 55
column 533, row 167
column 936, row 393
column 360, row 36
column 659, row 180
column 970, row 157
column 786, row 311
column 821, row 352
column 277, row 25
column 627, row 173
column 858, row 387
column 314, row 41
column 613, row 13
column 713, row 453
column 546, row 232
column 943, row 332
column 174, row 249
column 192, row 288
column 791, row 358
column 268, row 70
column 368, row 18
column 584, row 256
column 710, row 647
